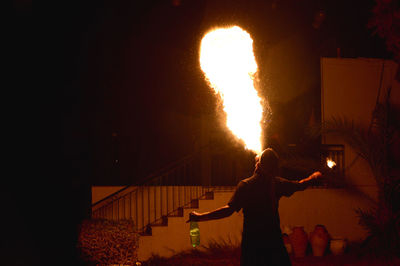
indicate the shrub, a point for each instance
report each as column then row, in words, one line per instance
column 108, row 242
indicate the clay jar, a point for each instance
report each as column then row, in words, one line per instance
column 338, row 245
column 298, row 239
column 286, row 242
column 319, row 240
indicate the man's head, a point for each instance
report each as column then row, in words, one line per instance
column 268, row 162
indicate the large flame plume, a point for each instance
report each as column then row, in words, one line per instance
column 228, row 62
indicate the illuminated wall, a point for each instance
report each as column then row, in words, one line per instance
column 349, row 88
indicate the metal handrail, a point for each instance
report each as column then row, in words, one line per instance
column 136, row 205
column 150, row 177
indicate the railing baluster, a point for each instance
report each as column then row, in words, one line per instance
column 130, row 205
column 155, row 203
column 184, row 195
column 142, row 189
column 118, row 209
column 148, row 204
column 112, row 211
column 161, row 201
column 167, row 189
column 179, row 196
column 173, row 197
column 136, row 210
column 123, row 204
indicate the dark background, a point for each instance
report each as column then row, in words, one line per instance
column 123, row 65
column 110, row 71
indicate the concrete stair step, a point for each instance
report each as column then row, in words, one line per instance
column 180, row 212
column 168, row 240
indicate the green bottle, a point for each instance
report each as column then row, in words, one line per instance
column 194, row 234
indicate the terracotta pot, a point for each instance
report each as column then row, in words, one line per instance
column 319, row 239
column 338, row 245
column 286, row 242
column 289, row 248
column 299, row 240
column 285, row 239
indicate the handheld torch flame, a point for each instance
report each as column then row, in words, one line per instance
column 228, row 62
column 330, row 163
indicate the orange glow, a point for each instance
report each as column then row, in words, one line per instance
column 228, row 62
column 330, row 163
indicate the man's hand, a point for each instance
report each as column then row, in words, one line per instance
column 311, row 177
column 194, row 217
column 315, row 175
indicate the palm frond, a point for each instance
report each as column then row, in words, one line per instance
column 353, row 134
column 373, row 144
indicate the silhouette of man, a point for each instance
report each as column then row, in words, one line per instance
column 259, row 196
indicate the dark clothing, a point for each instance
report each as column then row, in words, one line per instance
column 259, row 196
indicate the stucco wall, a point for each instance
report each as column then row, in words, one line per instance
column 333, row 208
column 350, row 88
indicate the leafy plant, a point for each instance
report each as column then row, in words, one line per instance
column 215, row 252
column 222, row 249
column 386, row 23
column 108, row 242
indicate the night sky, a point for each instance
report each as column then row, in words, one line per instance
column 117, row 70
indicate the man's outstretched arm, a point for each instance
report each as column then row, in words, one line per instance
column 288, row 187
column 311, row 179
column 219, row 213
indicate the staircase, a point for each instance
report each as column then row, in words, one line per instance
column 162, row 194
column 173, row 236
column 159, row 209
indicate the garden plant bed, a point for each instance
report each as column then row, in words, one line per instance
column 328, row 260
column 346, row 259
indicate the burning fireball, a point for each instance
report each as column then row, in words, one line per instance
column 228, row 62
column 330, row 163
